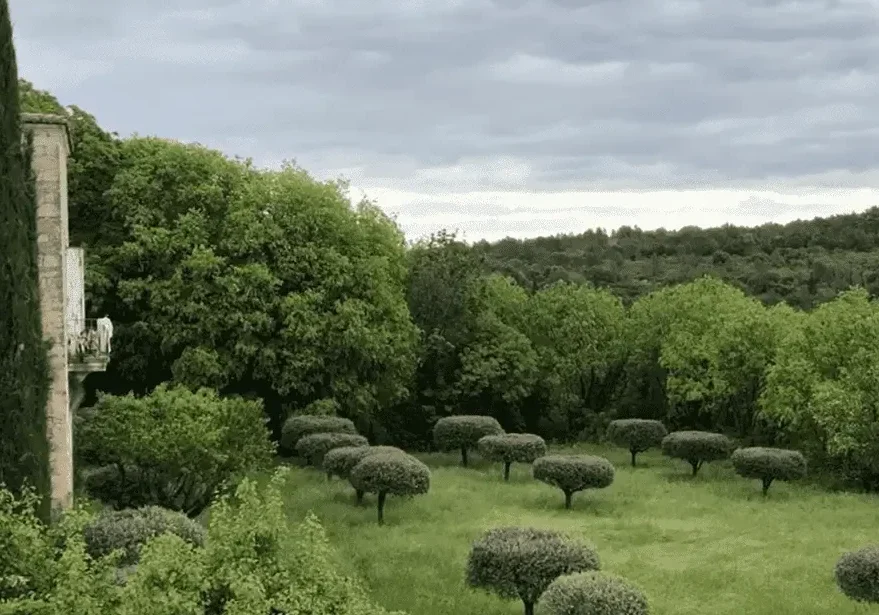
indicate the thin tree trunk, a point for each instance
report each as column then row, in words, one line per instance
column 381, row 507
column 359, row 497
column 507, row 471
column 529, row 608
column 464, row 456
column 569, row 496
column 766, row 483
column 634, row 453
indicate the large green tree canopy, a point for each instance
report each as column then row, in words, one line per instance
column 255, row 281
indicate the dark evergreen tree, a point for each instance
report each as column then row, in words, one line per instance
column 24, row 371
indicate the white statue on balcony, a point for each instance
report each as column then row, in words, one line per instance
column 105, row 333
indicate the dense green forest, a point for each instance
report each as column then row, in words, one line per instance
column 803, row 263
column 275, row 286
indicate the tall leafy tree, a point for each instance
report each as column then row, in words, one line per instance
column 24, row 374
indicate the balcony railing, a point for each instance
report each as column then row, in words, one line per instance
column 89, row 340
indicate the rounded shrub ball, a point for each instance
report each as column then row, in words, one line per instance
column 769, row 464
column 637, row 435
column 301, row 425
column 340, row 461
column 390, row 474
column 313, row 448
column 463, row 432
column 521, row 562
column 511, row 448
column 697, row 447
column 130, row 529
column 573, row 473
column 857, row 574
column 593, row 593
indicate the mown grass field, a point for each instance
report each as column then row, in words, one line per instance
column 705, row 546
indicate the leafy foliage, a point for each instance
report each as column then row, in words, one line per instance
column 697, row 447
column 313, row 448
column 390, row 473
column 24, row 367
column 130, row 529
column 253, row 561
column 593, row 593
column 299, row 426
column 823, row 386
column 769, row 464
column 573, row 473
column 637, row 435
column 512, row 447
column 178, row 446
column 464, row 432
column 857, row 574
column 521, row 562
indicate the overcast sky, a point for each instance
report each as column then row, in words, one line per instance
column 499, row 118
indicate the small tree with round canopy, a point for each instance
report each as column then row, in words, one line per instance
column 463, row 432
column 573, row 473
column 313, row 448
column 340, row 461
column 512, row 447
column 857, row 574
column 697, row 447
column 301, row 425
column 390, row 474
column 769, row 464
column 521, row 562
column 593, row 593
column 637, row 435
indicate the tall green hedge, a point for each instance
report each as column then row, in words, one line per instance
column 24, row 369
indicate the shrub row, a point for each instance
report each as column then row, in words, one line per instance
column 698, row 448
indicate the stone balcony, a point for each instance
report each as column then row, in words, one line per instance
column 88, row 345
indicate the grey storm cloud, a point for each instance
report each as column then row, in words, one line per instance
column 579, row 94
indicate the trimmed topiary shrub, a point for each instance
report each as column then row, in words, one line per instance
column 637, row 435
column 390, row 474
column 297, row 427
column 521, row 562
column 340, row 461
column 312, row 448
column 573, row 473
column 769, row 464
column 130, row 529
column 697, row 447
column 512, row 447
column 593, row 593
column 463, row 433
column 857, row 574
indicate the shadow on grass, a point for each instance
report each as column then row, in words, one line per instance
column 591, row 502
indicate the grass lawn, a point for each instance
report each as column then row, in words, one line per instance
column 705, row 546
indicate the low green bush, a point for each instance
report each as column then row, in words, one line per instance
column 857, row 574
column 301, row 425
column 637, row 435
column 253, row 561
column 521, row 562
column 573, row 473
column 511, row 448
column 173, row 448
column 463, row 432
column 390, row 474
column 312, row 448
column 130, row 529
column 697, row 447
column 593, row 593
column 769, row 464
